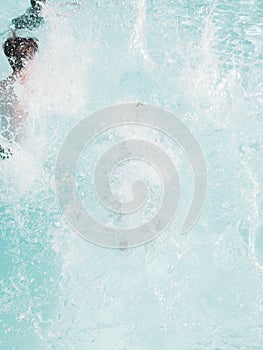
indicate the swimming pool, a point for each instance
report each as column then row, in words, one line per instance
column 202, row 61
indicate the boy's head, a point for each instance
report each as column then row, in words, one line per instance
column 19, row 51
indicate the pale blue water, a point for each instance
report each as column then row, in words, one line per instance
column 202, row 60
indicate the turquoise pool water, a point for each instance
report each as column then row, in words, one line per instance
column 202, row 60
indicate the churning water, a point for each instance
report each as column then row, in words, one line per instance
column 201, row 60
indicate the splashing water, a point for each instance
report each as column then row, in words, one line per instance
column 201, row 60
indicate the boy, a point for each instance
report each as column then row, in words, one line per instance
column 19, row 52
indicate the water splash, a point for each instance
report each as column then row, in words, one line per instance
column 200, row 291
column 138, row 40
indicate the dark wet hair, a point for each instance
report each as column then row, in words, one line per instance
column 19, row 51
column 37, row 3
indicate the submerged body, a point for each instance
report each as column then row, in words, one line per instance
column 12, row 113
